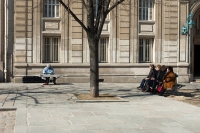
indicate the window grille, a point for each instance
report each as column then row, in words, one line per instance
column 103, row 50
column 145, row 50
column 51, row 8
column 51, row 49
column 146, row 9
column 95, row 3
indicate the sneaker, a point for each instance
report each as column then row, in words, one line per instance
column 45, row 84
column 54, row 83
column 138, row 87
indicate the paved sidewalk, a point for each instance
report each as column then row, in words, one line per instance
column 51, row 109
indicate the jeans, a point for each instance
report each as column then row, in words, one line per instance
column 142, row 83
column 149, row 83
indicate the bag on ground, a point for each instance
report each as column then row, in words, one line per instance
column 159, row 88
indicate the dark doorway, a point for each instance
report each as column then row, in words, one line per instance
column 197, row 60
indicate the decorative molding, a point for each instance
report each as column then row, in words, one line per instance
column 195, row 6
column 146, row 28
column 51, row 25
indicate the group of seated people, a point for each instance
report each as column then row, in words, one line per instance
column 161, row 75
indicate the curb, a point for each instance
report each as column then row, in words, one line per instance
column 96, row 101
column 8, row 109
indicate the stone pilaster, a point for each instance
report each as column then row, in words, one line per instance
column 114, row 35
column 37, row 41
column 133, row 31
column 170, row 31
column 158, row 30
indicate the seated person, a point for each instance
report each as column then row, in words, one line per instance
column 49, row 70
column 169, row 80
column 150, row 79
column 162, row 73
column 158, row 74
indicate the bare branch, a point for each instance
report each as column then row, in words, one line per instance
column 101, row 25
column 103, row 16
column 84, row 4
column 106, row 6
column 90, row 16
column 113, row 6
column 73, row 15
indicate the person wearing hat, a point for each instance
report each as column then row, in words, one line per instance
column 49, row 70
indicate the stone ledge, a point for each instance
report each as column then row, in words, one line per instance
column 101, row 65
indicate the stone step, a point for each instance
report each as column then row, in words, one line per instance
column 196, row 79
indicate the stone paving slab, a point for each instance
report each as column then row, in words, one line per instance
column 7, row 120
column 42, row 109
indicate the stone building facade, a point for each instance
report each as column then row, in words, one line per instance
column 147, row 31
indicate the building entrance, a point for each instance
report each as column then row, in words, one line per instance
column 197, row 60
column 196, row 44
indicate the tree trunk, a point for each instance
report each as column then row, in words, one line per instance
column 94, row 68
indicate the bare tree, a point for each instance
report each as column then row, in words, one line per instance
column 93, row 30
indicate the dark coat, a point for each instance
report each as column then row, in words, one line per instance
column 157, row 75
column 160, row 75
column 152, row 74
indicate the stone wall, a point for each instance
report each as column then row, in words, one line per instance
column 115, row 73
column 123, row 29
